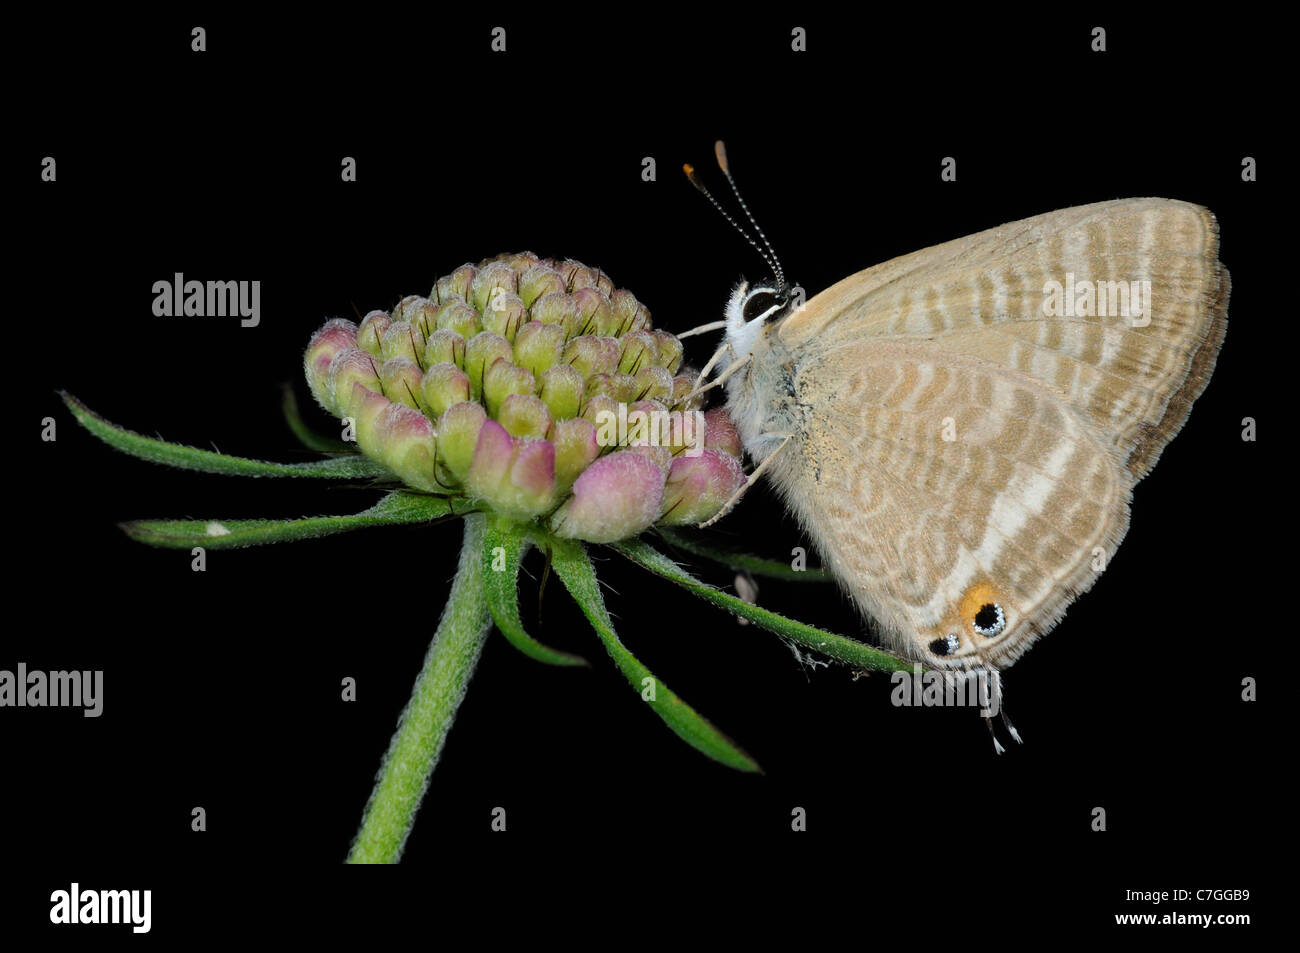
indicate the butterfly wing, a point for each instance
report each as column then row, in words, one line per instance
column 966, row 459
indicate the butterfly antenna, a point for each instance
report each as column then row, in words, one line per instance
column 690, row 174
column 720, row 152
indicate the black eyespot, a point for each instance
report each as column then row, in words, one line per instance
column 945, row 646
column 759, row 302
column 990, row 620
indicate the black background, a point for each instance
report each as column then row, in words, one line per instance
column 222, row 689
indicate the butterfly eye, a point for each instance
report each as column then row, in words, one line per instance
column 760, row 302
column 945, row 646
column 990, row 620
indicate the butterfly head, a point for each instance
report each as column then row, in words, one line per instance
column 751, row 310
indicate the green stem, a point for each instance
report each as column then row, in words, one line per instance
column 414, row 750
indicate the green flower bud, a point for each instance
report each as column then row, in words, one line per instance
column 669, row 350
column 403, row 340
column 592, row 312
column 640, row 349
column 444, row 384
column 654, row 383
column 505, row 314
column 371, row 333
column 556, row 307
column 481, row 352
column 590, row 355
column 524, row 415
column 575, row 449
column 539, row 280
column 502, row 379
column 458, row 430
column 683, row 384
column 495, row 275
column 401, row 379
column 456, row 284
column 444, row 347
column 560, row 388
column 407, row 446
column 455, row 315
column 538, row 346
column 621, row 387
column 628, row 314
column 597, row 407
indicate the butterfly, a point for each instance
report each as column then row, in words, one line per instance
column 960, row 430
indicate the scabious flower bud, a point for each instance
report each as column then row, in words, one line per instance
column 354, row 366
column 331, row 340
column 616, row 497
column 538, row 346
column 536, row 389
column 371, row 333
column 505, row 314
column 698, row 487
column 515, row 477
column 402, row 340
column 524, row 415
column 456, row 284
column 590, row 355
column 720, row 433
column 443, row 385
column 458, row 430
column 481, row 352
column 400, row 377
column 560, row 388
column 455, row 315
column 503, row 379
column 444, row 347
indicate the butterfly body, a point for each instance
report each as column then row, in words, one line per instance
column 959, row 440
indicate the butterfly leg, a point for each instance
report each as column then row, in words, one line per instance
column 1011, row 729
column 721, row 378
column 753, row 478
column 997, row 745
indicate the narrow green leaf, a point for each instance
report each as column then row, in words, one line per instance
column 394, row 509
column 829, row 644
column 353, row 466
column 573, row 566
column 306, row 436
column 503, row 550
column 771, row 568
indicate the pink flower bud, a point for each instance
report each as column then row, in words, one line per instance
column 698, row 487
column 616, row 497
column 720, row 432
column 353, row 366
column 516, row 477
column 333, row 338
column 408, row 446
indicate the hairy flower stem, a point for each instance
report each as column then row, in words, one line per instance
column 414, row 750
